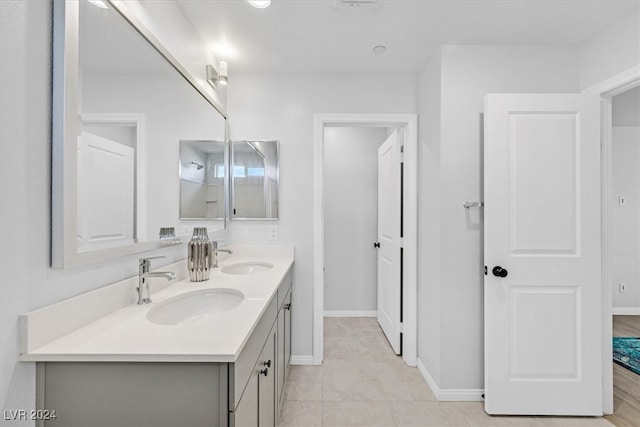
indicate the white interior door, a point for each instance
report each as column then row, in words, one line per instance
column 105, row 193
column 542, row 250
column 389, row 211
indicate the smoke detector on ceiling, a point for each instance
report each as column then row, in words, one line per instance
column 356, row 3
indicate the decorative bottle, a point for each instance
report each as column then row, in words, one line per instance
column 199, row 255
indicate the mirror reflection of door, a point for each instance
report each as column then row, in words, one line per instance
column 255, row 179
column 106, row 200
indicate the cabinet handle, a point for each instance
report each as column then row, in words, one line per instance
column 267, row 363
column 287, row 306
column 265, row 371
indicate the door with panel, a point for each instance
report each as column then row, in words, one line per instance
column 542, row 254
column 388, row 244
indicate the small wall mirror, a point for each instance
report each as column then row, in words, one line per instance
column 203, row 167
column 121, row 106
column 254, row 179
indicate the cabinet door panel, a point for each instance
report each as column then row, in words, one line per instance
column 267, row 382
column 246, row 413
column 280, row 357
column 287, row 335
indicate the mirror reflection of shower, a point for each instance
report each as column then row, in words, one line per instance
column 254, row 180
column 202, row 180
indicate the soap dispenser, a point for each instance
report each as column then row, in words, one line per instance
column 199, row 255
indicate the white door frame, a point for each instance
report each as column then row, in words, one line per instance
column 608, row 89
column 409, row 123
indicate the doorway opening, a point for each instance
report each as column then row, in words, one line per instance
column 350, row 219
column 621, row 237
column 407, row 124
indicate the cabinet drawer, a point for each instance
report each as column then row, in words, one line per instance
column 240, row 372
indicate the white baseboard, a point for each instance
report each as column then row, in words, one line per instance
column 301, row 360
column 427, row 377
column 449, row 395
column 352, row 313
column 625, row 311
column 461, row 395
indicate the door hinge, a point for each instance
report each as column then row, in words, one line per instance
column 485, row 270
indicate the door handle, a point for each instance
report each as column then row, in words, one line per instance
column 376, row 245
column 499, row 271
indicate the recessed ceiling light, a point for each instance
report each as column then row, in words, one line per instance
column 260, row 4
column 379, row 50
column 98, row 3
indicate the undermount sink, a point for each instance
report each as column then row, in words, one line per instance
column 194, row 306
column 247, row 268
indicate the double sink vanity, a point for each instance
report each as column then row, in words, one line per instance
column 212, row 353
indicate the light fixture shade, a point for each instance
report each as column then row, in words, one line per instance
column 217, row 76
column 212, row 76
column 223, row 77
column 260, row 4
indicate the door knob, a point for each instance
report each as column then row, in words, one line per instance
column 499, row 271
column 265, row 371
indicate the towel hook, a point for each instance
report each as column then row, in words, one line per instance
column 468, row 205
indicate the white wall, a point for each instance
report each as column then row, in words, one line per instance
column 626, row 183
column 351, row 217
column 429, row 114
column 613, row 51
column 625, row 259
column 26, row 280
column 467, row 73
column 283, row 107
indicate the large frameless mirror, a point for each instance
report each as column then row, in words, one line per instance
column 254, row 179
column 122, row 104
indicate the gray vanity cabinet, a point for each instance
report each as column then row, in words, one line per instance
column 245, row 393
column 259, row 402
column 283, row 346
column 257, row 406
column 267, row 383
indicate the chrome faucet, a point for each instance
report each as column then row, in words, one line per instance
column 214, row 253
column 144, row 296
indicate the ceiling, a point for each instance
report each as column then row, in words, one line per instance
column 327, row 37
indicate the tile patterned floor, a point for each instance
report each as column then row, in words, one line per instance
column 362, row 383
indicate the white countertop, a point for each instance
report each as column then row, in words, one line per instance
column 127, row 336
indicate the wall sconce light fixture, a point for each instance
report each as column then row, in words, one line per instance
column 217, row 76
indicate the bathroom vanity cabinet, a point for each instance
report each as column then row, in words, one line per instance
column 246, row 392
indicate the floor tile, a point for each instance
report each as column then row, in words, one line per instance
column 350, row 381
column 300, row 414
column 357, row 414
column 347, row 348
column 304, row 383
column 363, row 383
column 475, row 415
column 427, row 414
